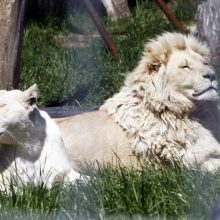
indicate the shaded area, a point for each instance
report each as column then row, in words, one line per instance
column 66, row 111
column 40, row 9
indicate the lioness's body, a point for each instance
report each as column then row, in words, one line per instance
column 31, row 146
column 94, row 136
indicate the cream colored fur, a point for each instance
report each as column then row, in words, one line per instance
column 95, row 137
column 31, row 146
column 168, row 107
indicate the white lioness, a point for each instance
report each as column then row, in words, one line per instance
column 31, row 146
column 168, row 106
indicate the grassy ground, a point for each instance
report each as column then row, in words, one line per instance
column 89, row 75
column 172, row 192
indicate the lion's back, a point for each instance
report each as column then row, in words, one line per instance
column 94, row 136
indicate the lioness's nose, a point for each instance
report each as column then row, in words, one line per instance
column 210, row 76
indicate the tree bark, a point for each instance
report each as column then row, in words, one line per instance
column 208, row 27
column 11, row 34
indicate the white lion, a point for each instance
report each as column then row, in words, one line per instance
column 167, row 107
column 31, row 146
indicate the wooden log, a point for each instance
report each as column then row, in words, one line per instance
column 11, row 34
column 102, row 30
column 172, row 18
column 191, row 2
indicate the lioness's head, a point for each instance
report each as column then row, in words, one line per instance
column 15, row 109
column 176, row 69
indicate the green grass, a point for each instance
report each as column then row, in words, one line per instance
column 172, row 192
column 89, row 75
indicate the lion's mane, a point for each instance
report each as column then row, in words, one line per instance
column 156, row 117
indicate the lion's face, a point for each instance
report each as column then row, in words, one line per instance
column 178, row 65
column 15, row 109
column 191, row 75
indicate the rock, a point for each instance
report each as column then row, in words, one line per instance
column 208, row 27
column 116, row 9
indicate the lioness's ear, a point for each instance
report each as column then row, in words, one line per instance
column 31, row 94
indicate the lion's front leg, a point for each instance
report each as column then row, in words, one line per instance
column 205, row 153
column 212, row 165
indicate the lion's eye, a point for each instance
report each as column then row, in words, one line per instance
column 185, row 66
column 206, row 63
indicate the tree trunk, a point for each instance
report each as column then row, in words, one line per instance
column 11, row 34
column 208, row 27
column 116, row 9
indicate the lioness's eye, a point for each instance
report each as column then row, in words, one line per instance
column 206, row 63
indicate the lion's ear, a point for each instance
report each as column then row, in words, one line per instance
column 31, row 94
column 155, row 58
column 152, row 68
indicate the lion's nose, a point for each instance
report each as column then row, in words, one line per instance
column 210, row 76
